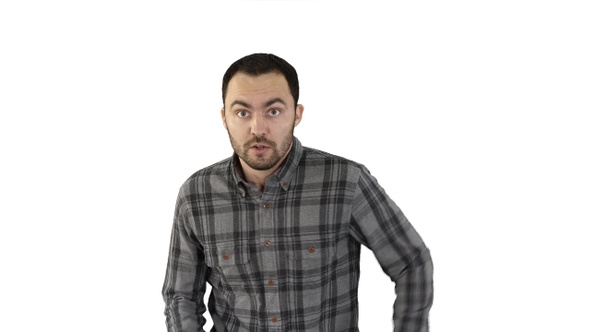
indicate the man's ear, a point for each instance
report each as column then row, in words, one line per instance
column 223, row 117
column 298, row 113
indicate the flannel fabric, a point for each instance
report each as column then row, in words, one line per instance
column 287, row 258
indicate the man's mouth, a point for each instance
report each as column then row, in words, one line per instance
column 258, row 147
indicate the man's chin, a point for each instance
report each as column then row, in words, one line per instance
column 261, row 167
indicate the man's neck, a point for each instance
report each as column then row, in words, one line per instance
column 256, row 177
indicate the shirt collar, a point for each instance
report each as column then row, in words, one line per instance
column 283, row 174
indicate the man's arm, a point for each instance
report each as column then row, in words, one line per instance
column 380, row 225
column 186, row 273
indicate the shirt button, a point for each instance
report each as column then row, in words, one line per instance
column 266, row 205
column 271, row 282
column 225, row 256
column 266, row 243
column 274, row 319
column 311, row 250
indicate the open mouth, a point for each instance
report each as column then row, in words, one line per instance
column 259, row 148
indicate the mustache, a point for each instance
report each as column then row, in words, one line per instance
column 260, row 139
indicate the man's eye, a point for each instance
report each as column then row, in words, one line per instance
column 274, row 112
column 242, row 114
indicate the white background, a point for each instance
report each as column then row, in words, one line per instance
column 472, row 114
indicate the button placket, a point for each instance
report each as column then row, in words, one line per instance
column 269, row 257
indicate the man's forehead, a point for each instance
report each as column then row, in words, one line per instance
column 269, row 85
column 273, row 77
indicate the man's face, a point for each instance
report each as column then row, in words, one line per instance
column 259, row 116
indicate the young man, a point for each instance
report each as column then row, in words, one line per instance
column 277, row 228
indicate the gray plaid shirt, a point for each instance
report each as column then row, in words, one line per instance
column 287, row 258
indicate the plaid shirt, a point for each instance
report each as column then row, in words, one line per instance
column 287, row 258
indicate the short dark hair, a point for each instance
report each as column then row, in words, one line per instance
column 262, row 63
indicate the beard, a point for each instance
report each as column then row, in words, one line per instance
column 258, row 161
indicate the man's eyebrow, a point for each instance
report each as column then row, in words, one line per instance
column 267, row 104
column 241, row 103
column 275, row 100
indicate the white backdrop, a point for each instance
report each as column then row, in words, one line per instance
column 472, row 114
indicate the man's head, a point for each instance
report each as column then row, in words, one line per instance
column 260, row 112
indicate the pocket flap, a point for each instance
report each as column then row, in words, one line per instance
column 226, row 255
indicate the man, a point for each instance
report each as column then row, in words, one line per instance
column 276, row 229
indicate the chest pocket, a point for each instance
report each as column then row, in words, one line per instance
column 230, row 263
column 308, row 260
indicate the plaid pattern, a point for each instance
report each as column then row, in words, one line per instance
column 287, row 259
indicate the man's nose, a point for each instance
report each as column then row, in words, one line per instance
column 258, row 125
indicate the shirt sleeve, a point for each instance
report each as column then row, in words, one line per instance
column 186, row 273
column 380, row 225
